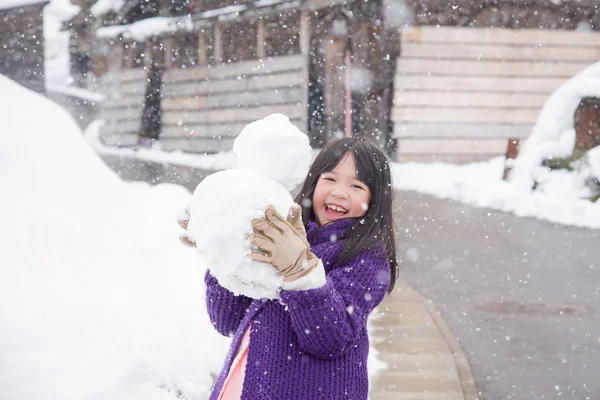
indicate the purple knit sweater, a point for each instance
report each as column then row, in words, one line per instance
column 313, row 344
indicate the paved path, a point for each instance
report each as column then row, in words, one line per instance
column 425, row 362
column 521, row 295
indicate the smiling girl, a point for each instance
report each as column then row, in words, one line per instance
column 337, row 266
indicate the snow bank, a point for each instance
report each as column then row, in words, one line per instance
column 553, row 135
column 593, row 158
column 480, row 185
column 217, row 161
column 98, row 299
column 81, row 93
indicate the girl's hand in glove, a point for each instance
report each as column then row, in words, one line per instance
column 183, row 219
column 282, row 243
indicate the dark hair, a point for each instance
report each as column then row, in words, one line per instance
column 373, row 170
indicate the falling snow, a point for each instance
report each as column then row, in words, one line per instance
column 95, row 285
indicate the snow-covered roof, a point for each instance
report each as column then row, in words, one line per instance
column 229, row 11
column 104, row 6
column 146, row 28
column 6, row 4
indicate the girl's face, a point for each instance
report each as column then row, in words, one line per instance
column 339, row 193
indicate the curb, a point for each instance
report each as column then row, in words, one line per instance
column 424, row 359
column 462, row 363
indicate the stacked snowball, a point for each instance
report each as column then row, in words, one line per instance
column 273, row 158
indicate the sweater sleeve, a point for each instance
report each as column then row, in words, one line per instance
column 225, row 309
column 327, row 320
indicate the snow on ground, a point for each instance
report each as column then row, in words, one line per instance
column 593, row 157
column 98, row 299
column 74, row 91
column 217, row 161
column 477, row 184
column 480, row 185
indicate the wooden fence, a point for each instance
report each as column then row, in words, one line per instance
column 460, row 93
column 122, row 109
column 204, row 108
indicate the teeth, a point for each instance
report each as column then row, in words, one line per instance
column 335, row 208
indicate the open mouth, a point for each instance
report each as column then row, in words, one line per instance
column 333, row 211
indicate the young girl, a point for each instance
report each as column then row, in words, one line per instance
column 313, row 343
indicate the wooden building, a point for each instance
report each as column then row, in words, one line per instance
column 22, row 44
column 476, row 74
column 465, row 77
column 210, row 67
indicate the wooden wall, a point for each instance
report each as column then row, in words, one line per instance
column 204, row 108
column 122, row 110
column 460, row 93
column 21, row 45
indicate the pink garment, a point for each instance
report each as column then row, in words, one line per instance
column 232, row 388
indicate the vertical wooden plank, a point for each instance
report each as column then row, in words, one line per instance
column 129, row 56
column 202, row 56
column 168, row 43
column 333, row 88
column 260, row 39
column 218, row 46
column 148, row 59
column 304, row 50
column 115, row 57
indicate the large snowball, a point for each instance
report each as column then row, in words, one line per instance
column 221, row 209
column 275, row 147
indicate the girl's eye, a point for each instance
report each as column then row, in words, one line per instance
column 358, row 187
column 328, row 178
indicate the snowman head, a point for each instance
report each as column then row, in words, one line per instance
column 275, row 147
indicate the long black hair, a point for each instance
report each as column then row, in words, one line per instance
column 373, row 170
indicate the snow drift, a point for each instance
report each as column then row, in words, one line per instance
column 553, row 135
column 98, row 299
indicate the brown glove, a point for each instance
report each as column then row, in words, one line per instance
column 183, row 219
column 282, row 243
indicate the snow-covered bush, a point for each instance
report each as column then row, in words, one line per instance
column 552, row 141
